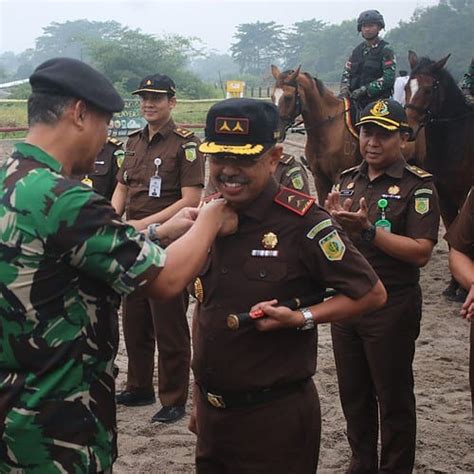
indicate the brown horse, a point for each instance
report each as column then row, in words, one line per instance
column 434, row 102
column 331, row 146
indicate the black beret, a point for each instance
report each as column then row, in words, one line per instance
column 71, row 77
column 158, row 83
column 240, row 127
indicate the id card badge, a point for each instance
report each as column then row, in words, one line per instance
column 154, row 190
column 384, row 224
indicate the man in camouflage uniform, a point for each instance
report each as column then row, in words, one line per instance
column 369, row 73
column 65, row 259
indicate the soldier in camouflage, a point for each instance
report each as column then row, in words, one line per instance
column 369, row 73
column 65, row 259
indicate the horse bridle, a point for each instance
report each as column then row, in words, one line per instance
column 428, row 116
column 290, row 121
column 426, row 113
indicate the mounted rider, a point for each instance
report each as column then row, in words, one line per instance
column 369, row 73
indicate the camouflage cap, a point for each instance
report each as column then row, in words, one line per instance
column 71, row 77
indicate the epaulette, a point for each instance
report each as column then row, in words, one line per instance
column 348, row 170
column 287, row 159
column 418, row 171
column 295, row 201
column 183, row 133
column 135, row 132
column 114, row 141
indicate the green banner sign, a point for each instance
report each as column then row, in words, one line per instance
column 128, row 120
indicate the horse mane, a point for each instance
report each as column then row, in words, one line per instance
column 454, row 100
column 319, row 83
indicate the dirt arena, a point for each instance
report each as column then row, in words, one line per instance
column 445, row 435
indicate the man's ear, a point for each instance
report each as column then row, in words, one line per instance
column 172, row 101
column 275, row 156
column 405, row 136
column 79, row 113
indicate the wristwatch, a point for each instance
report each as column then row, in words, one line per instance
column 152, row 232
column 308, row 319
column 368, row 234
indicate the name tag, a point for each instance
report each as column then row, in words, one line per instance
column 154, row 189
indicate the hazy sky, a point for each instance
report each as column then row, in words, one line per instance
column 213, row 21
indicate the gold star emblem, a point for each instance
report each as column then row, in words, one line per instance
column 270, row 240
column 393, row 189
column 224, row 127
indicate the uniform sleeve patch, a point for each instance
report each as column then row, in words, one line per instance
column 332, row 246
column 190, row 153
column 422, row 205
column 423, row 191
column 119, row 156
column 295, row 169
column 318, row 228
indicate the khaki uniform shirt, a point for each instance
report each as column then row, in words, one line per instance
column 413, row 211
column 312, row 253
column 181, row 166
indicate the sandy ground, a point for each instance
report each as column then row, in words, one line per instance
column 444, row 442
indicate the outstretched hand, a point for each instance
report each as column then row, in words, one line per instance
column 352, row 221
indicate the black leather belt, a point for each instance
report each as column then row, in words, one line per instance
column 246, row 399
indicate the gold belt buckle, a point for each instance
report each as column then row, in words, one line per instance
column 215, row 400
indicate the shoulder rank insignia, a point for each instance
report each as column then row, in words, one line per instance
column 418, row 171
column 348, row 170
column 332, row 246
column 198, row 290
column 183, row 133
column 295, row 201
column 114, row 141
column 287, row 159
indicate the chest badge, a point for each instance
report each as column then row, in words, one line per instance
column 350, row 186
column 270, row 241
column 393, row 190
column 198, row 290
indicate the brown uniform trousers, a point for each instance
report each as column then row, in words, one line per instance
column 461, row 237
column 145, row 320
column 279, row 434
column 374, row 353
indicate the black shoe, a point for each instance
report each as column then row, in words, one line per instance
column 169, row 414
column 131, row 399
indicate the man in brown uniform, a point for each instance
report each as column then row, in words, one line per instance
column 289, row 173
column 104, row 176
column 257, row 409
column 390, row 210
column 162, row 173
column 461, row 263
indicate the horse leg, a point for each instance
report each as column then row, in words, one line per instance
column 323, row 187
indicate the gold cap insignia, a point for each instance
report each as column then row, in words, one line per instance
column 148, row 83
column 393, row 189
column 270, row 240
column 380, row 109
column 232, row 126
column 350, row 186
column 198, row 290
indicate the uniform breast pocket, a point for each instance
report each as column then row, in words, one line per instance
column 265, row 269
column 101, row 168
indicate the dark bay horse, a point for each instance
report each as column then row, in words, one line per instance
column 331, row 145
column 435, row 102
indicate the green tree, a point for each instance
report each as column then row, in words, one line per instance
column 435, row 32
column 257, row 45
